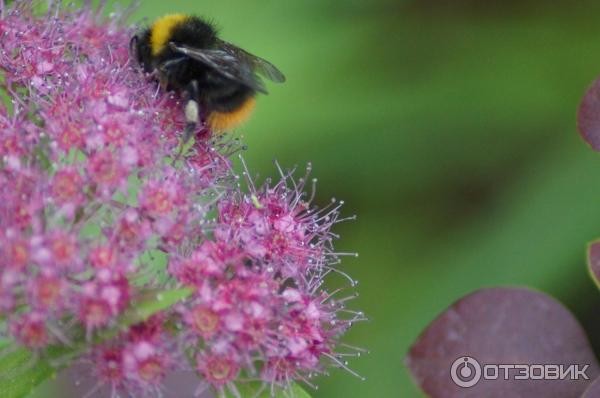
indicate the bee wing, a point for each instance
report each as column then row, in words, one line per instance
column 258, row 64
column 224, row 63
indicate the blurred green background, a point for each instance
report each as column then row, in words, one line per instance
column 450, row 129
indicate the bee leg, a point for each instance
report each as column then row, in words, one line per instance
column 192, row 110
column 163, row 82
column 192, row 115
column 163, row 71
column 166, row 66
column 133, row 51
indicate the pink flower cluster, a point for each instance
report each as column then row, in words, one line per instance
column 94, row 214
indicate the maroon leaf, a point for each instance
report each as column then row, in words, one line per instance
column 588, row 118
column 594, row 261
column 593, row 391
column 502, row 326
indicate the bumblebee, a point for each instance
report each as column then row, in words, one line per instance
column 218, row 81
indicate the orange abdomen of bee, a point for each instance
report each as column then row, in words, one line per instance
column 222, row 121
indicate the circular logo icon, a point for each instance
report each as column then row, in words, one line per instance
column 465, row 372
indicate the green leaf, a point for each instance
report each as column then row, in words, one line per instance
column 250, row 390
column 21, row 372
column 153, row 303
column 19, row 375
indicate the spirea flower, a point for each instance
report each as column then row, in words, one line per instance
column 97, row 214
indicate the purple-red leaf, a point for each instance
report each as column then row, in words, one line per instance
column 502, row 326
column 594, row 261
column 588, row 118
column 593, row 390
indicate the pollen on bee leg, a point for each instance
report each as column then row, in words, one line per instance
column 192, row 118
column 191, row 112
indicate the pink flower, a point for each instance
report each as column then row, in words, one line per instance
column 101, row 301
column 161, row 198
column 48, row 292
column 63, row 248
column 67, row 186
column 96, row 218
column 203, row 320
column 106, row 170
column 30, row 330
column 109, row 367
column 218, row 370
column 103, row 256
column 145, row 363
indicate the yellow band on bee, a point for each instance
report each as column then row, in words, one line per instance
column 161, row 31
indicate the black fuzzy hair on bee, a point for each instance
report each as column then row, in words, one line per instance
column 188, row 57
